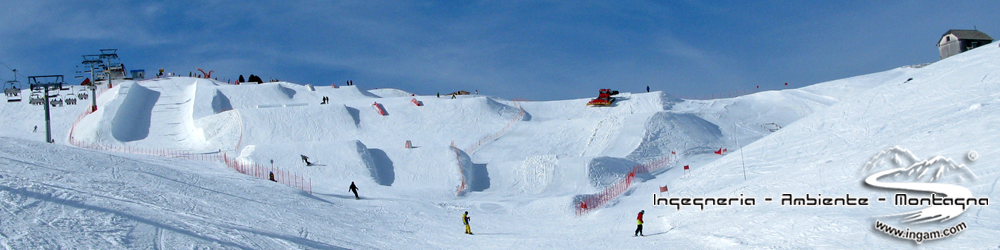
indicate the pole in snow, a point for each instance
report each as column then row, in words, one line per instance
column 741, row 158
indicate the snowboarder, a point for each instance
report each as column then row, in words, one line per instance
column 452, row 96
column 354, row 189
column 36, row 129
column 271, row 176
column 647, row 88
column 638, row 229
column 439, row 94
column 306, row 159
column 465, row 218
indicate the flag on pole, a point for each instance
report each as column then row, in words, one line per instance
column 663, row 189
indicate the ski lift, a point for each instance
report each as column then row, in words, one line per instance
column 70, row 98
column 13, row 94
column 36, row 98
column 79, row 74
column 56, row 102
column 11, row 89
column 82, row 94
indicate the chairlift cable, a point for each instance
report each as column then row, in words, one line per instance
column 12, row 69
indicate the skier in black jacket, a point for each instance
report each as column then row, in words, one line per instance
column 355, row 190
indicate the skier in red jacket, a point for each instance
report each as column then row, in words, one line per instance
column 638, row 230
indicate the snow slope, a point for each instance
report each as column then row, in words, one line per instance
column 948, row 109
column 522, row 170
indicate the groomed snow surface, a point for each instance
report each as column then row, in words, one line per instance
column 523, row 164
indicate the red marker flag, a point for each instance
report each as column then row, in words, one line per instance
column 663, row 189
column 686, row 167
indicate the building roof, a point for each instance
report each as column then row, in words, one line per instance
column 969, row 35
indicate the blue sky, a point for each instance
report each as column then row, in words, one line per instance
column 535, row 50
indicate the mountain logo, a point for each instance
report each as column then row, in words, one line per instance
column 899, row 169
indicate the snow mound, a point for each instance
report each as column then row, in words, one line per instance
column 389, row 92
column 666, row 132
column 535, row 174
column 132, row 123
column 606, row 171
column 299, row 124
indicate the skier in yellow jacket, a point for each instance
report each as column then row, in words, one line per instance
column 465, row 218
column 638, row 229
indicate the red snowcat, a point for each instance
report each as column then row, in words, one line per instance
column 604, row 98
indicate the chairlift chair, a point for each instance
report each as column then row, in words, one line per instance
column 12, row 92
column 79, row 74
column 13, row 95
column 70, row 98
column 82, row 94
column 36, row 99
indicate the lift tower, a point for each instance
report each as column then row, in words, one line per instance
column 45, row 83
column 94, row 61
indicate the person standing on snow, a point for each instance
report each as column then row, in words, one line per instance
column 354, row 189
column 465, row 219
column 638, row 229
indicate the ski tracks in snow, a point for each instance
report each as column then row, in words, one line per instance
column 601, row 135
